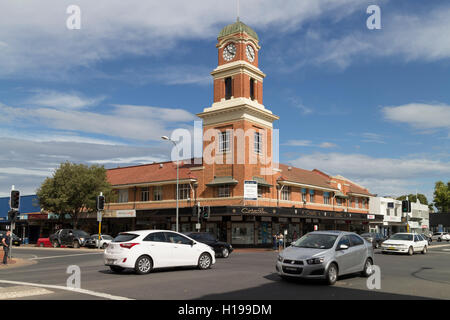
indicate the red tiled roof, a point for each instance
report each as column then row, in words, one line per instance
column 357, row 189
column 155, row 172
column 304, row 176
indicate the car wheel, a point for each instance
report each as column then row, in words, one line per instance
column 104, row 246
column 424, row 251
column 55, row 244
column 76, row 244
column 143, row 265
column 367, row 271
column 225, row 253
column 410, row 251
column 204, row 262
column 332, row 274
column 41, row 245
column 116, row 269
column 439, row 239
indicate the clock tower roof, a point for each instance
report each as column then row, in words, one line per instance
column 238, row 27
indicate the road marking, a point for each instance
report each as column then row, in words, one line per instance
column 21, row 292
column 66, row 255
column 77, row 290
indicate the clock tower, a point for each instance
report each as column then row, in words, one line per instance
column 237, row 128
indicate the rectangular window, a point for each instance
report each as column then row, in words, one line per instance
column 261, row 191
column 252, row 89
column 258, row 143
column 223, row 191
column 225, row 141
column 311, row 195
column 339, row 201
column 349, row 202
column 184, row 191
column 123, row 195
column 286, row 193
column 157, row 193
column 304, row 195
column 228, row 88
column 326, row 198
column 145, row 194
column 356, row 203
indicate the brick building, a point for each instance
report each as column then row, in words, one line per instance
column 237, row 147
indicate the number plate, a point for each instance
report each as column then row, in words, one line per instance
column 110, row 261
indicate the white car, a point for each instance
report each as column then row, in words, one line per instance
column 146, row 250
column 440, row 236
column 405, row 243
column 105, row 240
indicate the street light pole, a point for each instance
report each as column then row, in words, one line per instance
column 177, row 195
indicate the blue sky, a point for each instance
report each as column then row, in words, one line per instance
column 371, row 105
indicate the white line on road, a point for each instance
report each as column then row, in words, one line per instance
column 77, row 290
column 66, row 255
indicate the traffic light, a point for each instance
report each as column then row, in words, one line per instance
column 15, row 199
column 406, row 206
column 12, row 215
column 100, row 203
column 206, row 212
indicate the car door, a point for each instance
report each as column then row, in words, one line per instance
column 344, row 257
column 358, row 253
column 183, row 252
column 157, row 246
column 418, row 243
column 63, row 237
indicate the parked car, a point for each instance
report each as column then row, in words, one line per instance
column 440, row 236
column 92, row 242
column 222, row 249
column 374, row 238
column 69, row 237
column 146, row 250
column 326, row 255
column 409, row 243
column 426, row 237
column 16, row 241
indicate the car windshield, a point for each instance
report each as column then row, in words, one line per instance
column 402, row 236
column 107, row 237
column 367, row 235
column 125, row 237
column 81, row 233
column 316, row 241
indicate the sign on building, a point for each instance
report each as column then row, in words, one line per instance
column 250, row 190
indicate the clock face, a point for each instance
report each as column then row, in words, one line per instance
column 229, row 52
column 250, row 53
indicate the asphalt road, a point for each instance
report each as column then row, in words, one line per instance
column 244, row 275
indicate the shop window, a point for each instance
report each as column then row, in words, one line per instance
column 228, row 88
column 157, row 193
column 286, row 193
column 242, row 233
column 184, row 191
column 123, row 195
column 145, row 194
column 223, row 191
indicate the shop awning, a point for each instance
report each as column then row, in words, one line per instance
column 219, row 181
column 262, row 182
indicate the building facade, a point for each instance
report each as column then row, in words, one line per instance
column 237, row 147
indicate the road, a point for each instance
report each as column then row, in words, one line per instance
column 245, row 275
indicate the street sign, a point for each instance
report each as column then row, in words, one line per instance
column 250, row 190
column 99, row 216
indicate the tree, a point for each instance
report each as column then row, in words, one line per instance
column 442, row 196
column 73, row 189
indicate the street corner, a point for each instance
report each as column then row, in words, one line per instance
column 16, row 263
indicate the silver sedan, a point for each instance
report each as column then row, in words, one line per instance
column 326, row 255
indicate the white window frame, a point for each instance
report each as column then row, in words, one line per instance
column 157, row 193
column 257, row 142
column 225, row 141
column 223, row 191
column 145, row 194
column 326, row 199
column 123, row 195
column 184, row 191
column 286, row 193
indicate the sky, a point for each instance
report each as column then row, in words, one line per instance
column 371, row 105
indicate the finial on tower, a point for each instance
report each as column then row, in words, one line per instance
column 238, row 10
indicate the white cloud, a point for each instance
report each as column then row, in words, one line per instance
column 47, row 98
column 298, row 143
column 420, row 115
column 327, row 145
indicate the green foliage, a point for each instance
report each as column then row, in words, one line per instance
column 442, row 196
column 413, row 198
column 73, row 190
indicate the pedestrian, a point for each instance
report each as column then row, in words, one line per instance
column 6, row 240
column 274, row 240
column 280, row 242
column 294, row 236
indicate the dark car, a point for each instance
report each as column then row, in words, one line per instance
column 16, row 241
column 69, row 237
column 222, row 249
column 375, row 238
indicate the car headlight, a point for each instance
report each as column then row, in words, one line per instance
column 280, row 258
column 315, row 260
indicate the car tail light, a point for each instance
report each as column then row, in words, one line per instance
column 128, row 245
